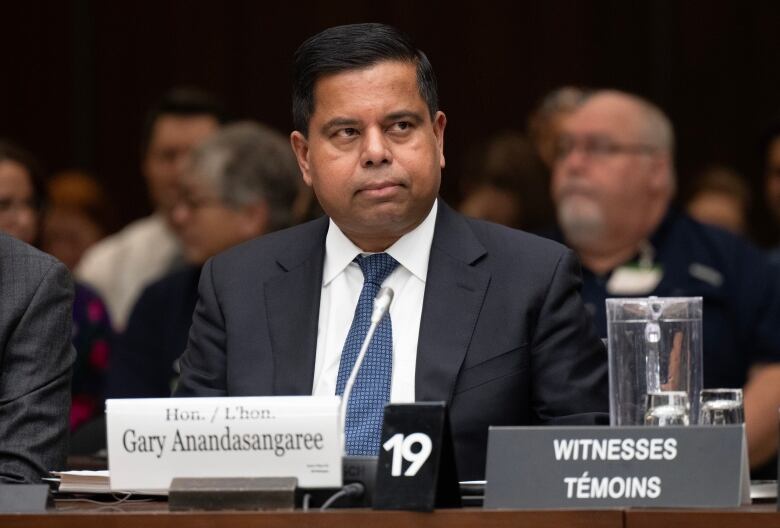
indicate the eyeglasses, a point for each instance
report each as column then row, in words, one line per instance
column 598, row 147
column 195, row 203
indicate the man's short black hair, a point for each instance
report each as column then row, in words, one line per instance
column 182, row 102
column 353, row 47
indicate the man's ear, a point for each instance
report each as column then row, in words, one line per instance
column 300, row 146
column 662, row 178
column 439, row 123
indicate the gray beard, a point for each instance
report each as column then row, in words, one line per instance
column 581, row 221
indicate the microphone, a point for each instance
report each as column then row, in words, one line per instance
column 381, row 306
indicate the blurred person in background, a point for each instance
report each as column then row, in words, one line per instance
column 545, row 120
column 120, row 266
column 512, row 174
column 613, row 183
column 512, row 185
column 720, row 197
column 241, row 183
column 22, row 203
column 77, row 216
column 771, row 161
column 22, row 191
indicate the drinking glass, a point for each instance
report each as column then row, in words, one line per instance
column 666, row 408
column 721, row 407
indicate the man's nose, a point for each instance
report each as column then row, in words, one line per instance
column 181, row 162
column 376, row 150
column 570, row 160
column 180, row 214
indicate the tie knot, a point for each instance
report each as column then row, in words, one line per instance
column 376, row 267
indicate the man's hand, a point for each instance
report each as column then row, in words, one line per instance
column 762, row 400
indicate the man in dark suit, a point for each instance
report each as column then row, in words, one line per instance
column 486, row 318
column 35, row 361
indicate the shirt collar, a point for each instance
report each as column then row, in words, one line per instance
column 412, row 251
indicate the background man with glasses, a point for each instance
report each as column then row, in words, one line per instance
column 612, row 185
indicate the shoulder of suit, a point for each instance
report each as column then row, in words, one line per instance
column 267, row 249
column 499, row 239
column 712, row 245
column 13, row 248
column 25, row 267
column 174, row 283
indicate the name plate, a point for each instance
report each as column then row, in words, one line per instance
column 601, row 467
column 151, row 441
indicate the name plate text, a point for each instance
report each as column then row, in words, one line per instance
column 151, row 441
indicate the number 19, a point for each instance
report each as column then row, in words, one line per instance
column 402, row 450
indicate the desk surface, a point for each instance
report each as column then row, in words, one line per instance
column 756, row 516
column 155, row 514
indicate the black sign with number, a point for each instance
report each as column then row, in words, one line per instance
column 416, row 468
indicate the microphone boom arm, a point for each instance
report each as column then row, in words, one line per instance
column 381, row 307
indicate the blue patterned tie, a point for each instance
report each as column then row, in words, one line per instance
column 371, row 390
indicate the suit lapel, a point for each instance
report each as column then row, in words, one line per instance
column 454, row 292
column 293, row 306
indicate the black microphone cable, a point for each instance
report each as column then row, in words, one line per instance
column 353, row 489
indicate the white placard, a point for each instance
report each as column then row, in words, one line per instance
column 151, row 441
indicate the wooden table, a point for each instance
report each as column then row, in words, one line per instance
column 155, row 514
column 756, row 516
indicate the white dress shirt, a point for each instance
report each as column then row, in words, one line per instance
column 120, row 266
column 342, row 281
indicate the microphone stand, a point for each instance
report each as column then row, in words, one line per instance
column 381, row 306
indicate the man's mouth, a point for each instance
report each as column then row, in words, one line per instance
column 380, row 189
column 575, row 190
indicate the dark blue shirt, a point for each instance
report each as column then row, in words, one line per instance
column 740, row 291
column 143, row 362
column 741, row 306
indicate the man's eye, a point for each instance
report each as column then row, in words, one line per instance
column 563, row 147
column 347, row 132
column 402, row 125
column 600, row 147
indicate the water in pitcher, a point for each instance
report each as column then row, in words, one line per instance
column 648, row 356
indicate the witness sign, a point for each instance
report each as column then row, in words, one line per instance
column 603, row 467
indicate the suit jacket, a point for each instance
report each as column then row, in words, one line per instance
column 504, row 337
column 36, row 297
column 143, row 363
